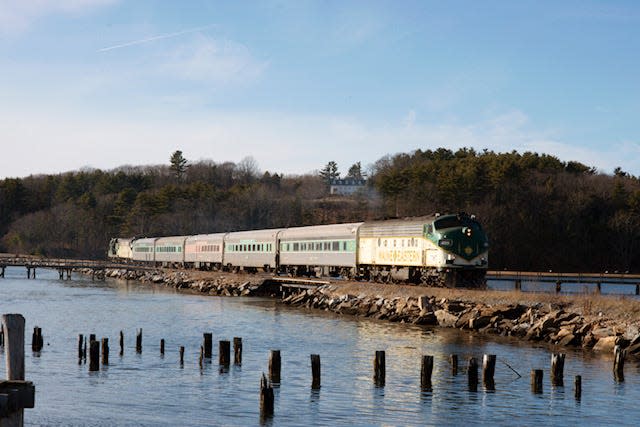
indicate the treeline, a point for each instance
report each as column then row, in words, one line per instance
column 540, row 213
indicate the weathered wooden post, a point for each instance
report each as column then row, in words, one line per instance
column 472, row 374
column 536, row 381
column 121, row 343
column 80, row 348
column 181, row 356
column 638, row 289
column 36, row 340
column 162, row 347
column 454, row 364
column 13, row 327
column 618, row 363
column 518, row 285
column 94, row 355
column 558, row 287
column 379, row 368
column 15, row 393
column 105, row 351
column 224, row 353
column 84, row 350
column 598, row 288
column 577, row 387
column 488, row 371
column 237, row 350
column 266, row 397
column 274, row 366
column 201, row 357
column 557, row 369
column 315, row 371
column 426, row 369
column 208, row 344
column 139, row 341
column 1, row 337
column 92, row 337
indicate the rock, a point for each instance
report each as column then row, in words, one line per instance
column 569, row 339
column 423, row 303
column 606, row 344
column 479, row 322
column 445, row 318
column 463, row 320
column 426, row 318
column 454, row 307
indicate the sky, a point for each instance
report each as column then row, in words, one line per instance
column 296, row 84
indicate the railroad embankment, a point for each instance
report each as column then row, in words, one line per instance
column 593, row 322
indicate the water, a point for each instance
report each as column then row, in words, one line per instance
column 151, row 390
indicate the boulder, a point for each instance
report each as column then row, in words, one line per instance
column 606, row 344
column 445, row 318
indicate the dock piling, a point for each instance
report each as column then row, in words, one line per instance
column 237, row 350
column 379, row 368
column 315, row 371
column 426, row 369
column 274, row 366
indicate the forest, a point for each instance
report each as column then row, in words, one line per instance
column 540, row 213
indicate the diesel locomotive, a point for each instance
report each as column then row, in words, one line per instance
column 438, row 250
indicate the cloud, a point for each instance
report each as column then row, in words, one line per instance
column 52, row 141
column 206, row 59
column 19, row 16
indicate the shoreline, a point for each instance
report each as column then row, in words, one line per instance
column 592, row 322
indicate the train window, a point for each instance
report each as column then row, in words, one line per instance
column 344, row 246
column 379, row 241
column 385, row 243
column 335, row 246
column 394, row 243
column 296, row 246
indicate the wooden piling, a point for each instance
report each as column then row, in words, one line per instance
column 557, row 369
column 1, row 337
column 577, row 387
column 379, row 369
column 139, row 341
column 201, row 357
column 454, row 364
column 536, row 381
column 92, row 337
column 105, row 351
column 80, row 352
column 266, row 397
column 94, row 355
column 13, row 327
column 13, row 330
column 426, row 369
column 181, row 356
column 274, row 366
column 637, row 289
column 598, row 288
column 472, row 374
column 315, row 371
column 224, row 353
column 518, row 285
column 208, row 344
column 618, row 363
column 558, row 287
column 36, row 340
column 488, row 371
column 237, row 350
column 121, row 343
column 84, row 350
column 162, row 346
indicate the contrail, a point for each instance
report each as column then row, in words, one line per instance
column 161, row 36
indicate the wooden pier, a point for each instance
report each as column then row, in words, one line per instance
column 63, row 266
column 517, row 277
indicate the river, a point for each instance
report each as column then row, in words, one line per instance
column 151, row 390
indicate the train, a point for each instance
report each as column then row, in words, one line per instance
column 449, row 250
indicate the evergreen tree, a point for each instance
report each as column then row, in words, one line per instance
column 330, row 172
column 178, row 164
column 355, row 171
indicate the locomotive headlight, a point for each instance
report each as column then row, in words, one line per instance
column 467, row 231
column 445, row 243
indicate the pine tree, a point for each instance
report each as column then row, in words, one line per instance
column 178, row 164
column 330, row 172
column 355, row 171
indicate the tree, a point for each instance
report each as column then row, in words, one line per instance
column 355, row 171
column 330, row 172
column 178, row 164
